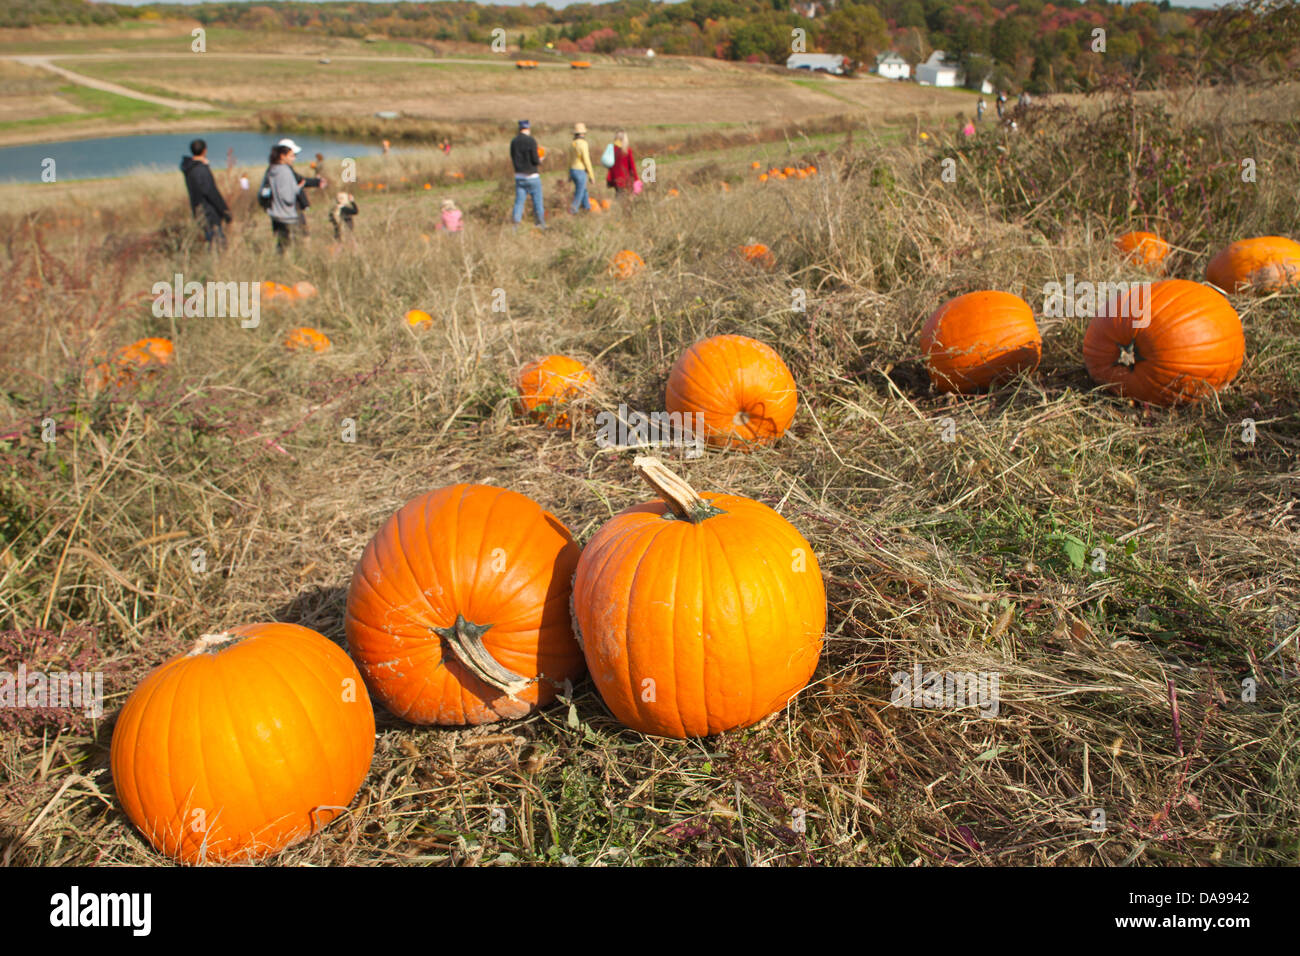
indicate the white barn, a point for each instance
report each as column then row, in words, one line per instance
column 937, row 72
column 891, row 66
column 825, row 62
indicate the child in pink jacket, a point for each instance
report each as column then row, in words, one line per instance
column 451, row 217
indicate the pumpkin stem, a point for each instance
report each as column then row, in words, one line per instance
column 1128, row 355
column 213, row 643
column 466, row 642
column 673, row 489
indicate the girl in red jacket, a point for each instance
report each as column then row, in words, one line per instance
column 622, row 175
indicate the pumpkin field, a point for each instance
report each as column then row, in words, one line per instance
column 949, row 561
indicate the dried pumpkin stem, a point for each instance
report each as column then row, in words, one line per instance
column 672, row 488
column 213, row 643
column 466, row 642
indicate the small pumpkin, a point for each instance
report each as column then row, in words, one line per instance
column 1143, row 249
column 1186, row 342
column 303, row 290
column 742, row 387
column 758, row 254
column 418, row 317
column 276, row 291
column 980, row 339
column 253, row 740
column 458, row 611
column 1261, row 265
column 306, row 339
column 697, row 613
column 547, row 384
column 129, row 364
column 755, row 165
column 626, row 264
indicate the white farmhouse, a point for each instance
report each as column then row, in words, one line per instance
column 818, row 62
column 936, row 71
column 891, row 66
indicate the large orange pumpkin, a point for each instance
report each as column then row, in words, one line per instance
column 142, row 358
column 307, row 339
column 697, row 613
column 745, row 392
column 1143, row 248
column 1265, row 264
column 252, row 741
column 548, row 383
column 1187, row 342
column 626, row 264
column 458, row 612
column 979, row 339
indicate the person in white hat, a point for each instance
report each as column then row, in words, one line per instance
column 304, row 183
column 580, row 170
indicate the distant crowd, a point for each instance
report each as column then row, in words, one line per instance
column 283, row 192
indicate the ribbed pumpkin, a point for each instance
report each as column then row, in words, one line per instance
column 252, row 741
column 746, row 393
column 697, row 613
column 625, row 264
column 980, row 339
column 547, row 384
column 1193, row 344
column 458, row 612
column 1143, row 248
column 1262, row 265
column 307, row 339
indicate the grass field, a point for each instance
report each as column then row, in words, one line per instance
column 1121, row 681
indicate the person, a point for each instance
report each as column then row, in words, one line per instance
column 581, row 172
column 244, row 184
column 622, row 176
column 980, row 107
column 528, row 178
column 1023, row 99
column 284, row 188
column 446, row 147
column 345, row 207
column 1001, row 102
column 205, row 198
column 309, row 182
column 451, row 218
column 386, row 144
column 969, row 129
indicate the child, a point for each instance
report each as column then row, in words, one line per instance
column 451, row 217
column 345, row 208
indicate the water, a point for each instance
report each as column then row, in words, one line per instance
column 126, row 155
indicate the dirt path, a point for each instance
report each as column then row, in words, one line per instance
column 43, row 62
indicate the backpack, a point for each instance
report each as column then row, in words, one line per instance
column 607, row 157
column 264, row 192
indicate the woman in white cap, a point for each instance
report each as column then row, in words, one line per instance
column 304, row 183
column 580, row 170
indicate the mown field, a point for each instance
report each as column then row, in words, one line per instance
column 1121, row 683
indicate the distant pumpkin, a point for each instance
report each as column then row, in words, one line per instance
column 1143, row 248
column 1185, row 342
column 303, row 290
column 740, row 385
column 142, row 358
column 417, row 317
column 980, row 339
column 1261, row 265
column 305, row 338
column 758, row 254
column 626, row 264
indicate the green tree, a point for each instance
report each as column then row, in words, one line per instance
column 858, row 32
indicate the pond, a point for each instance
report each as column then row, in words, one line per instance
column 128, row 155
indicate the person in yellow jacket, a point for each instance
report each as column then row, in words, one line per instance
column 580, row 171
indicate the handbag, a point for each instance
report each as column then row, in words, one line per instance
column 607, row 157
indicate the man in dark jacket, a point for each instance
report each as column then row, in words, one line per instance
column 528, row 179
column 204, row 195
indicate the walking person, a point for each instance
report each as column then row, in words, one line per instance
column 622, row 176
column 1001, row 102
column 528, row 178
column 345, row 207
column 205, row 198
column 980, row 107
column 279, row 197
column 581, row 172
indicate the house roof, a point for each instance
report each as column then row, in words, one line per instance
column 889, row 56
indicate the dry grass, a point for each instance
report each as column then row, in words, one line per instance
column 1120, row 689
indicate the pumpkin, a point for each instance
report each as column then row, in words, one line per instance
column 1191, row 344
column 604, row 204
column 745, row 392
column 273, row 291
column 551, row 382
column 428, row 185
column 1262, row 265
column 758, row 254
column 541, row 152
column 303, row 290
column 595, row 206
column 1143, row 248
column 253, row 740
column 673, row 191
column 142, row 358
column 698, row 613
column 305, row 338
column 417, row 317
column 458, row 612
column 755, row 164
column 980, row 339
column 812, row 170
column 626, row 264
column 762, row 177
